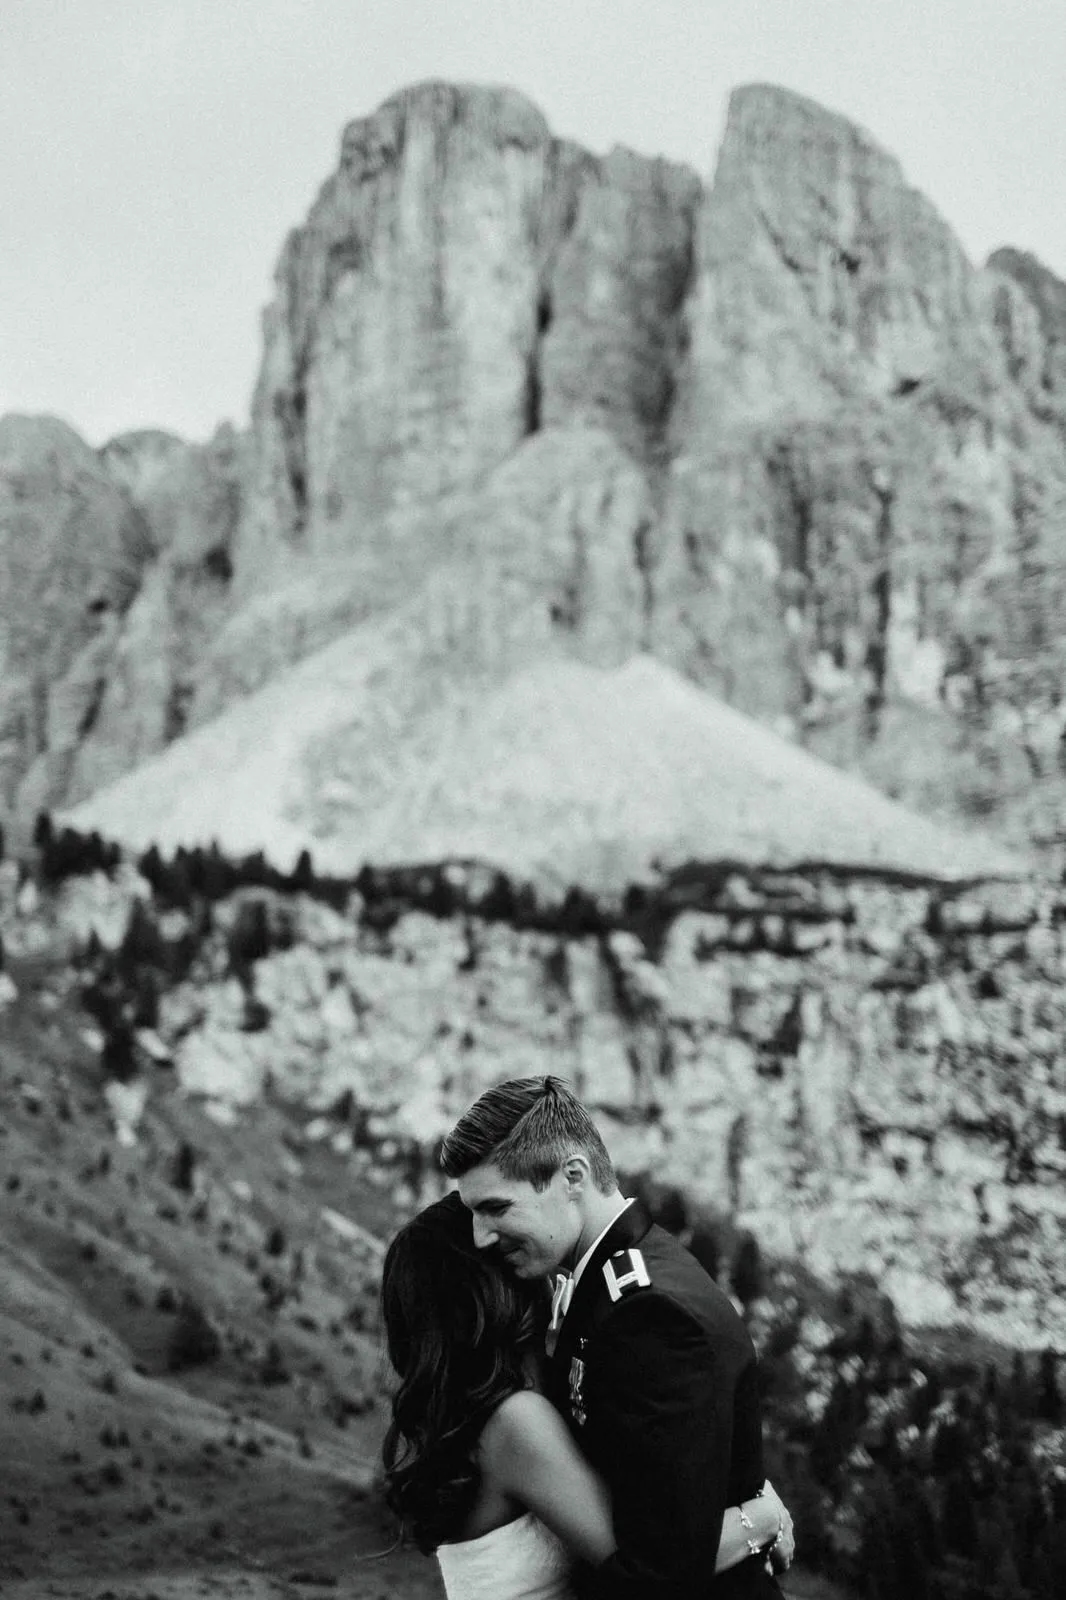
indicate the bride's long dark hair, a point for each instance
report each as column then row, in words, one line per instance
column 456, row 1331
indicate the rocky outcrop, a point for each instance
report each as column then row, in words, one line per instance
column 855, row 388
column 610, row 305
column 864, row 1072
column 141, row 463
column 115, row 572
column 189, row 495
column 190, row 500
column 544, row 448
column 72, row 553
column 397, row 347
column 547, row 554
column 1040, row 362
column 462, row 280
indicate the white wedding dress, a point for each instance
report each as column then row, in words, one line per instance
column 522, row 1560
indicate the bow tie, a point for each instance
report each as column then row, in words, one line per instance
column 562, row 1294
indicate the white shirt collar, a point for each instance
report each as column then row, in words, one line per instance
column 586, row 1258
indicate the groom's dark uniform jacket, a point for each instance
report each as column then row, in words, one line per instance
column 657, row 1375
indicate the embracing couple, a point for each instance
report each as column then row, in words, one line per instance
column 601, row 1441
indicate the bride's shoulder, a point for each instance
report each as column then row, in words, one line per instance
column 525, row 1421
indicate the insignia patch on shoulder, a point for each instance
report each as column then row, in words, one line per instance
column 625, row 1271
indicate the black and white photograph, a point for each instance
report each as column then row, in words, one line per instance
column 532, row 800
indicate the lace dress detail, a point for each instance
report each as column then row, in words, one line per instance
column 522, row 1560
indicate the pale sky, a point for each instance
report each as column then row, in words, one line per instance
column 153, row 153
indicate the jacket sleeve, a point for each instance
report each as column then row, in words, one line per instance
column 663, row 1392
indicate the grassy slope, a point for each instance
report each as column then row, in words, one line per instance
column 113, row 1465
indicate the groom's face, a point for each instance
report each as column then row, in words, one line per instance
column 532, row 1230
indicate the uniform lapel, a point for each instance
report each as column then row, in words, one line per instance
column 627, row 1230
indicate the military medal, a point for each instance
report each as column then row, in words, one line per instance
column 577, row 1378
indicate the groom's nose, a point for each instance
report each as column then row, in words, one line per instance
column 484, row 1233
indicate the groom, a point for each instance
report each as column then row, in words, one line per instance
column 648, row 1359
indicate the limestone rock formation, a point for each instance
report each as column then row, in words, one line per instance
column 1045, row 297
column 141, row 461
column 190, row 498
column 583, row 512
column 548, row 552
column 189, row 495
column 115, row 571
column 866, row 1074
column 72, row 552
column 517, row 400
column 611, row 302
column 865, row 482
column 813, row 379
column 396, row 349
column 462, row 280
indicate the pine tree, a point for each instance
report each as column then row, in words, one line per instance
column 303, row 873
column 958, row 1516
column 747, row 1275
column 1049, row 1404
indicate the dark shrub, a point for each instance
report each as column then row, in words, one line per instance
column 249, row 937
column 193, row 1341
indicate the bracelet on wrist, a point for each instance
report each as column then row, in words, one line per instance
column 754, row 1547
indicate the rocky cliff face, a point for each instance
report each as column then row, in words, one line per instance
column 855, row 478
column 836, row 448
column 462, row 280
column 114, row 566
column 464, row 284
column 73, row 550
column 1038, row 315
column 867, row 481
column 191, row 503
column 866, row 1072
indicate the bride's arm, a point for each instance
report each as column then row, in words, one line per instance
column 527, row 1452
column 762, row 1525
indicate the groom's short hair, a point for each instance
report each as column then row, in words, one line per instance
column 527, row 1127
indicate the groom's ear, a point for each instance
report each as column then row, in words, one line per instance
column 577, row 1172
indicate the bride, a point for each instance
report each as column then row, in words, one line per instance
column 479, row 1466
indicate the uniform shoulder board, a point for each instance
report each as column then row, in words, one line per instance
column 624, row 1272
